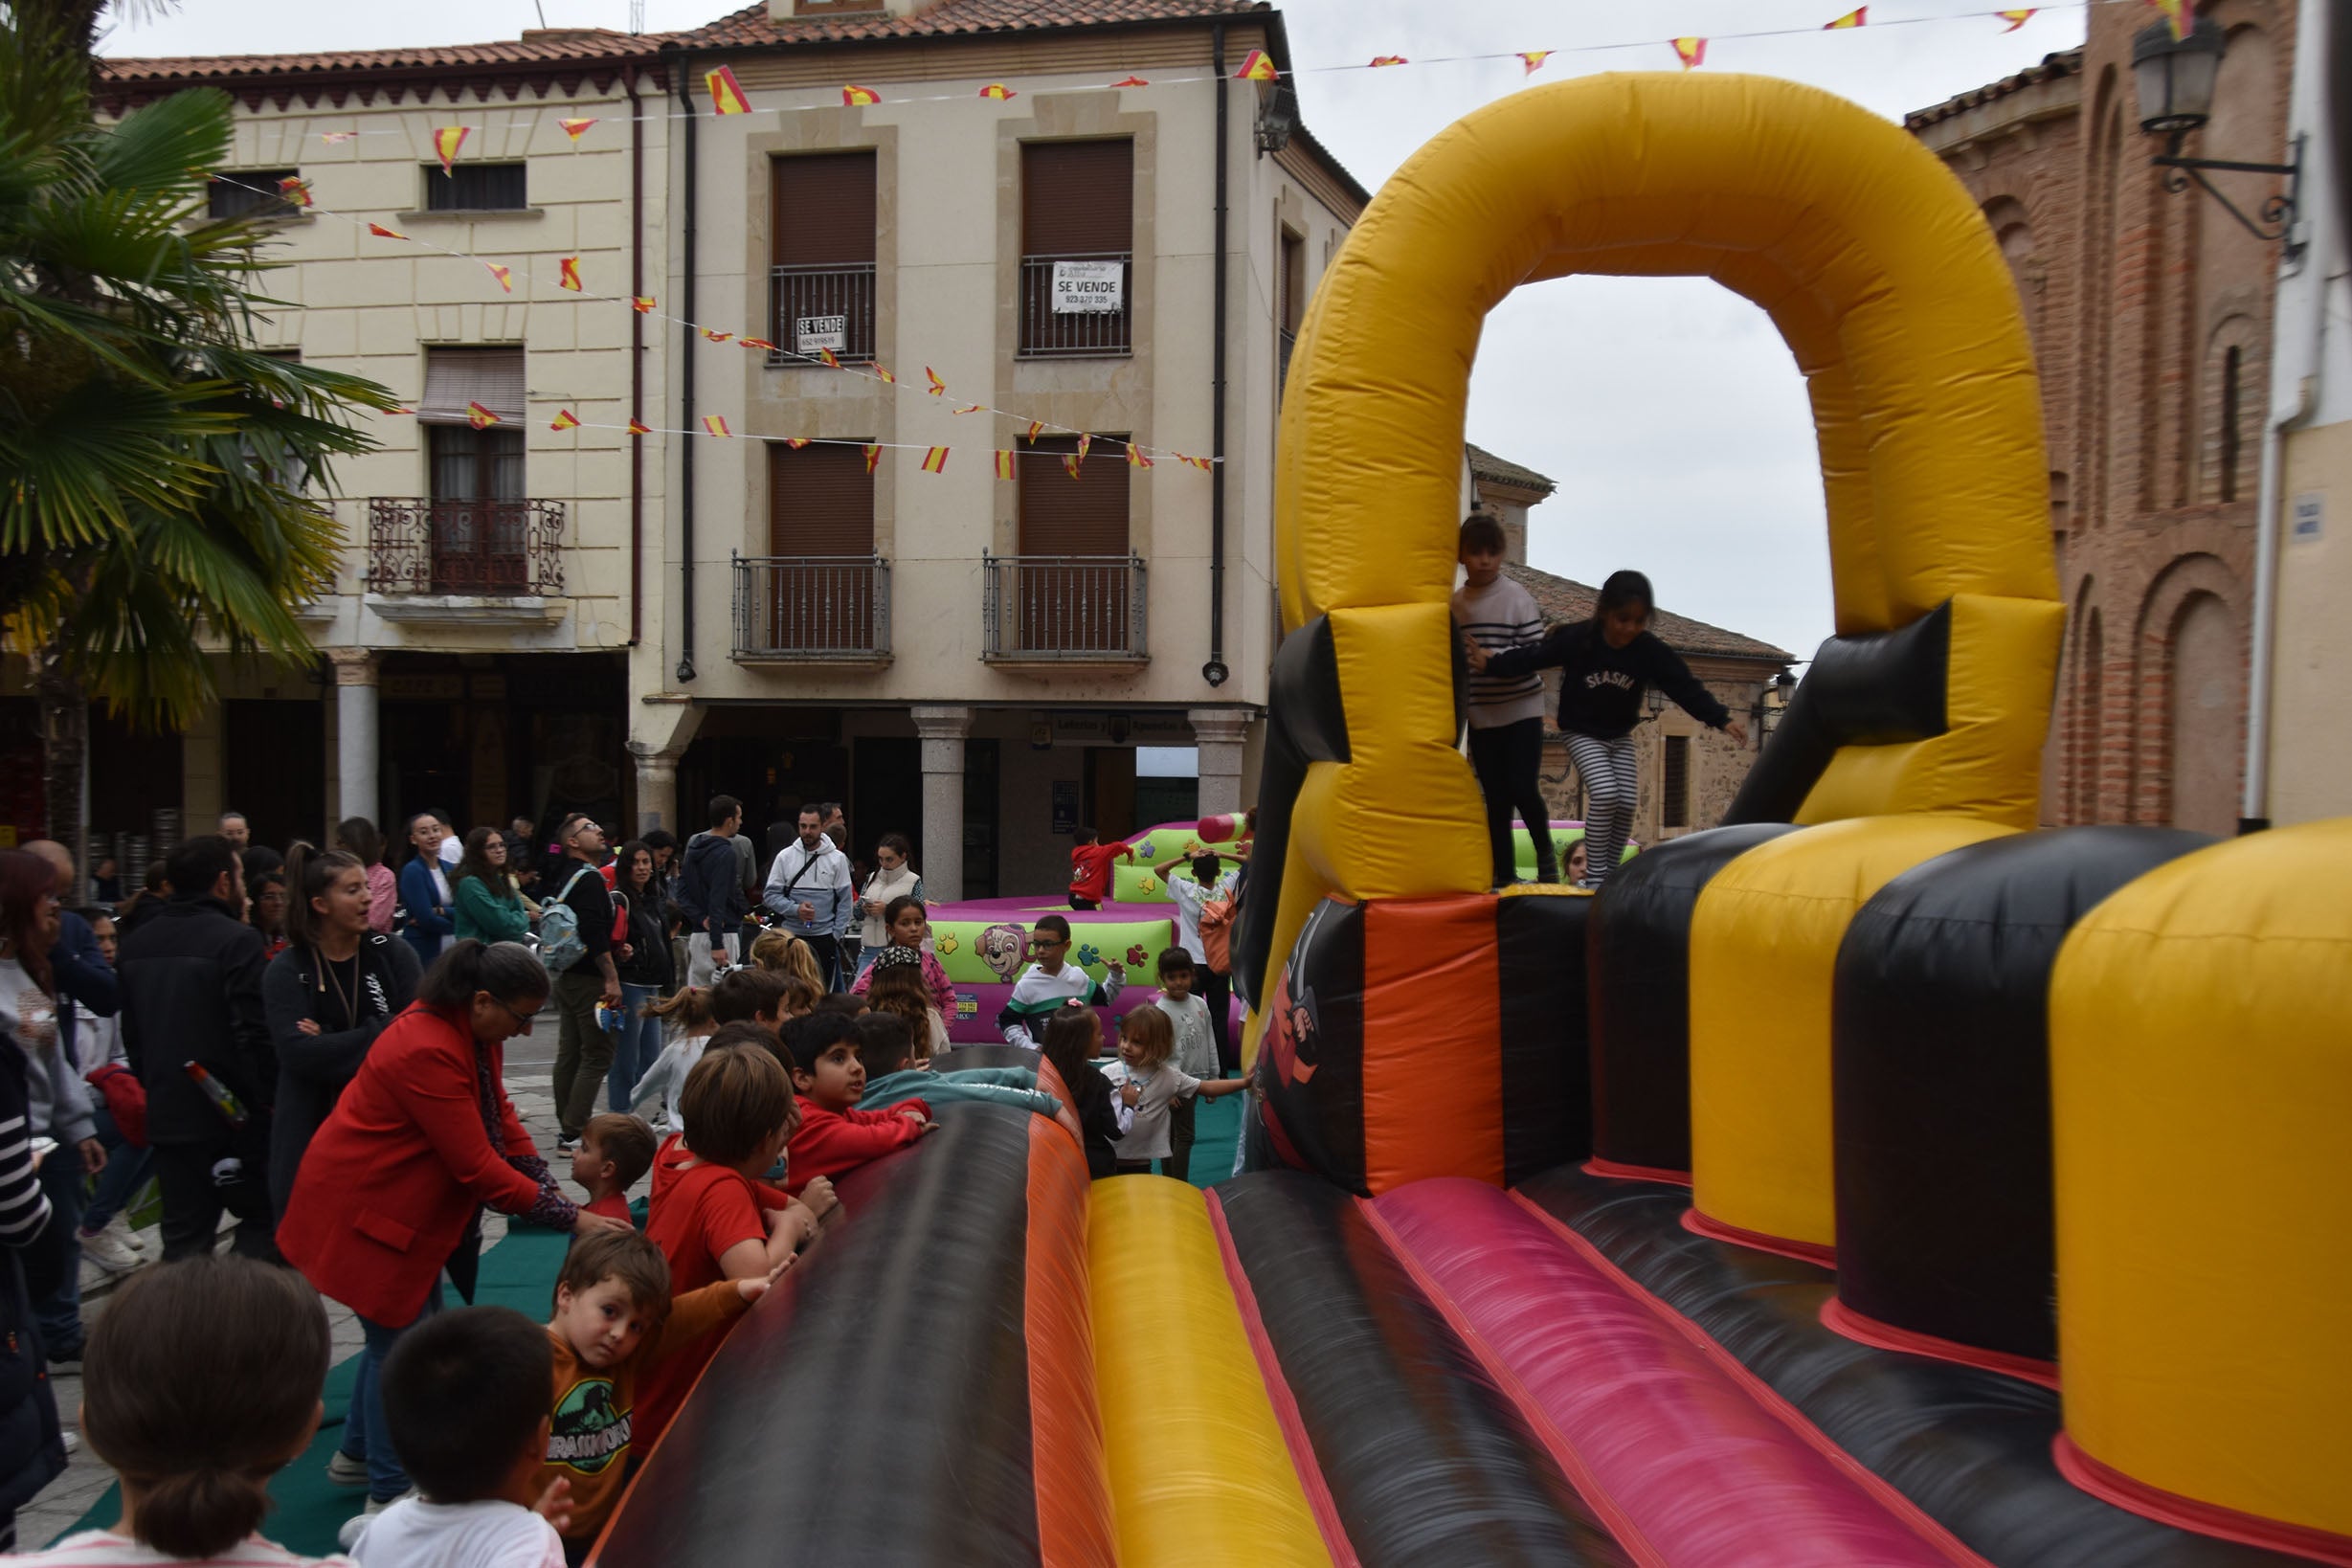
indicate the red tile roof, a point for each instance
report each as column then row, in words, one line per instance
column 549, row 48
column 1486, row 465
column 2065, row 63
column 1562, row 599
column 750, row 27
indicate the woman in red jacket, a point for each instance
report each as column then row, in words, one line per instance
column 421, row 1139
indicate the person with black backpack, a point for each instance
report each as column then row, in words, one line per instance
column 576, row 934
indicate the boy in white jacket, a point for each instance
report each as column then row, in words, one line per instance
column 1049, row 982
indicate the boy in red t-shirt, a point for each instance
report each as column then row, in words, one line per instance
column 834, row 1134
column 616, row 1151
column 705, row 1216
column 1090, row 868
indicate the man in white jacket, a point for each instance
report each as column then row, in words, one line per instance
column 809, row 892
column 1049, row 982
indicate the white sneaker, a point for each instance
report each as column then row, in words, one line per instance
column 111, row 1248
column 357, row 1524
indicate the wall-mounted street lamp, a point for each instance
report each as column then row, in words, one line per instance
column 2175, row 78
column 1772, row 704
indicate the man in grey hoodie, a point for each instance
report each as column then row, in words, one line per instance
column 714, row 877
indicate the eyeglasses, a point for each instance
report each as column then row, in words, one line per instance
column 521, row 1019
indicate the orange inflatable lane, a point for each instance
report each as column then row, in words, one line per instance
column 1432, row 973
column 1065, row 1422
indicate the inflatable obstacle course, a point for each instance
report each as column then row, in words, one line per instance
column 2022, row 1225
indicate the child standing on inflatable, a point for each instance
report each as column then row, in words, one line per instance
column 1607, row 662
column 1090, row 868
column 1506, row 711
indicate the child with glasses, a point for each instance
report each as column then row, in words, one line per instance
column 1050, row 982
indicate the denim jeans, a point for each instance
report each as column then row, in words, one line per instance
column 364, row 1436
column 59, row 1312
column 635, row 1047
column 126, row 1172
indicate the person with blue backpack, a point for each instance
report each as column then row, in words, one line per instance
column 575, row 943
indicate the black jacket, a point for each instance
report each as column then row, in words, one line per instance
column 312, row 1069
column 191, row 992
column 1601, row 686
column 709, row 889
column 649, row 958
column 1090, row 1100
column 32, row 1446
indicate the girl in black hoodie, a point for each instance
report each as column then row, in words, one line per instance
column 1606, row 663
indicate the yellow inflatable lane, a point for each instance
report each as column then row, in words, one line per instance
column 1199, row 1470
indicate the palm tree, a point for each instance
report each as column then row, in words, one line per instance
column 160, row 474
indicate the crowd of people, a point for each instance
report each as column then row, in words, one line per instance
column 306, row 1052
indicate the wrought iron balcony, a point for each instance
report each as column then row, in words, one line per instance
column 1064, row 609
column 484, row 548
column 821, row 308
column 1077, row 317
column 812, row 610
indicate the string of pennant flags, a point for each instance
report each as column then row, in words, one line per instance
column 727, row 95
column 297, row 190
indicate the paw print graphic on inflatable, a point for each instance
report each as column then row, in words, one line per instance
column 1147, row 885
column 1149, row 849
column 947, row 942
column 1135, row 955
column 1090, row 955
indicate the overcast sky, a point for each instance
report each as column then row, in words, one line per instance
column 1667, row 409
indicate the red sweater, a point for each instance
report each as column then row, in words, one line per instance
column 830, row 1142
column 1090, row 868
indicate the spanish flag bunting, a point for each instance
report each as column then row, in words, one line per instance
column 1258, row 67
column 999, row 91
column 1131, row 81
column 296, row 190
column 1069, row 464
column 567, row 272
column 446, row 144
column 939, row 388
column 824, row 357
column 2177, row 13
column 641, row 303
column 855, row 96
column 935, row 460
column 574, row 128
column 873, row 455
column 972, row 408
column 1201, row 464
column 716, row 336
column 1135, row 458
column 479, row 417
column 1379, row 60
column 796, row 443
column 884, row 373
column 1859, row 16
column 2016, row 19
column 331, row 138
column 726, row 92
column 503, row 275
column 1534, row 59
column 1034, row 427
column 638, row 429
column 404, row 411
column 1004, row 463
column 1692, row 52
column 716, row 424
column 563, row 420
column 1084, row 442
column 753, row 343
column 381, row 233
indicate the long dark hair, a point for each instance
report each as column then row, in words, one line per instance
column 505, row 970
column 476, row 863
column 310, row 874
column 623, row 860
column 361, row 838
column 25, row 880
column 1624, row 588
column 200, row 1377
column 1069, row 1036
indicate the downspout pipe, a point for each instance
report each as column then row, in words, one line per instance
column 636, row 358
column 682, row 75
column 1214, row 672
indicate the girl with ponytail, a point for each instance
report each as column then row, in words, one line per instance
column 200, row 1381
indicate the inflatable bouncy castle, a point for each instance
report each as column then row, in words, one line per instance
column 1873, row 1180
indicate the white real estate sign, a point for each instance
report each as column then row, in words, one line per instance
column 1090, row 288
column 811, row 333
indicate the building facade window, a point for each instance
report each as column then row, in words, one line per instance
column 248, row 190
column 1290, row 308
column 821, row 254
column 478, row 539
column 1077, row 249
column 477, row 188
column 819, row 589
column 1674, row 784
column 1073, row 587
column 2233, row 364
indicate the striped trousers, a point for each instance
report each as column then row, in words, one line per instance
column 1612, row 788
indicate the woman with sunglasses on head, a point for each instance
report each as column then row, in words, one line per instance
column 420, row 1141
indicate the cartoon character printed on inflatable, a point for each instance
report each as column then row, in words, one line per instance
column 1002, row 946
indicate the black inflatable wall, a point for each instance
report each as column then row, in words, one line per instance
column 1940, row 1078
column 1638, row 962
column 1863, row 690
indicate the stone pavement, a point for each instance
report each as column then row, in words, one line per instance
column 529, row 1063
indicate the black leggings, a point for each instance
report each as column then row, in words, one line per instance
column 1509, row 761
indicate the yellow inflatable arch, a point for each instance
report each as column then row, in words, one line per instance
column 1887, row 284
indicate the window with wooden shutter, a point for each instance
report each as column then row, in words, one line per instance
column 477, row 188
column 1076, row 243
column 1674, row 789
column 1074, row 584
column 818, row 591
column 821, row 262
column 479, row 528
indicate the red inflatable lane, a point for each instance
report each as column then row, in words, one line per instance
column 1673, row 1447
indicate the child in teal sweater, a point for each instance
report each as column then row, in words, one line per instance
column 885, row 1045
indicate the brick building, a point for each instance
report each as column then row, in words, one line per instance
column 2151, row 314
